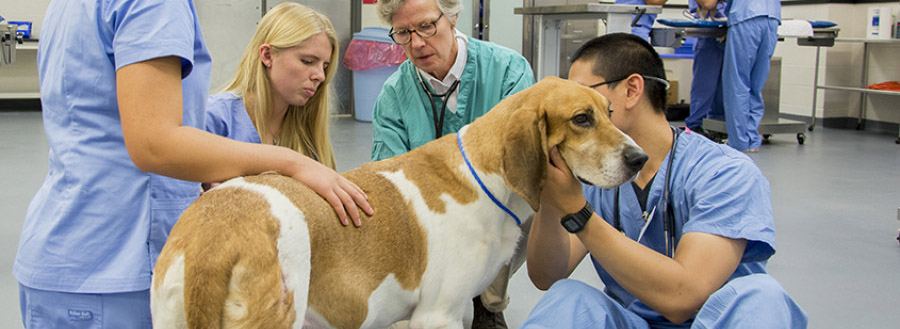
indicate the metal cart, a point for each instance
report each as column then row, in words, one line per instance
column 771, row 123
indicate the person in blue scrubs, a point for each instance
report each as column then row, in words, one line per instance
column 706, row 84
column 447, row 81
column 752, row 35
column 123, row 91
column 711, row 274
column 646, row 21
column 292, row 50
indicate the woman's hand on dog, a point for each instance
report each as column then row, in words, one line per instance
column 343, row 195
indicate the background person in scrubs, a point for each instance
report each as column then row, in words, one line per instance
column 706, row 85
column 719, row 200
column 472, row 75
column 647, row 20
column 279, row 93
column 752, row 34
column 123, row 91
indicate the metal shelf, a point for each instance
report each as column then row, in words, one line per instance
column 862, row 90
column 864, row 81
column 27, row 46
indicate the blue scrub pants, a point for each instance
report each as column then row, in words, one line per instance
column 42, row 309
column 706, row 85
column 755, row 300
column 748, row 50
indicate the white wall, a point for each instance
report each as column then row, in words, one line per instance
column 227, row 28
column 504, row 24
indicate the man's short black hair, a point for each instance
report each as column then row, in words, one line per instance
column 618, row 55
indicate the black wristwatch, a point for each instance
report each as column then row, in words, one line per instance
column 574, row 223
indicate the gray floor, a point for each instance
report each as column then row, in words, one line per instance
column 836, row 202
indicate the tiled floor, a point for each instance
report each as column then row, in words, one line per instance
column 835, row 199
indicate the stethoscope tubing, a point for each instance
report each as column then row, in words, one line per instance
column 438, row 122
column 668, row 218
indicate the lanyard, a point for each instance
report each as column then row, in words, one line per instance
column 668, row 217
column 438, row 122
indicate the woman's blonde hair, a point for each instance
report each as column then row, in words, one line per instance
column 304, row 128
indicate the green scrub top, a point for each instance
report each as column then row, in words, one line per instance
column 403, row 118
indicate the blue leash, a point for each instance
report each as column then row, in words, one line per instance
column 478, row 179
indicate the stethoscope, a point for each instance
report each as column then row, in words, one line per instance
column 668, row 218
column 438, row 122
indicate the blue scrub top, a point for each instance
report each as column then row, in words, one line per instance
column 742, row 10
column 713, row 189
column 98, row 223
column 227, row 116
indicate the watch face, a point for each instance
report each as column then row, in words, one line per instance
column 571, row 225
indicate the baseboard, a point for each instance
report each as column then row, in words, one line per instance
column 848, row 123
column 20, row 105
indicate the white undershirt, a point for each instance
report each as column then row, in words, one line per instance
column 455, row 73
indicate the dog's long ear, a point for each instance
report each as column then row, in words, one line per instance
column 525, row 154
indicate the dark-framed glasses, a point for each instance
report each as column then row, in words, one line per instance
column 664, row 82
column 426, row 30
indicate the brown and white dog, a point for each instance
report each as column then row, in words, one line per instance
column 268, row 252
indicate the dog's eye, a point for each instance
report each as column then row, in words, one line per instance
column 583, row 120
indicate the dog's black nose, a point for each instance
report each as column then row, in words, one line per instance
column 635, row 158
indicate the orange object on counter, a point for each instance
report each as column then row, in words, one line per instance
column 890, row 85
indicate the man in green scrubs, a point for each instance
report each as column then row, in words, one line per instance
column 447, row 81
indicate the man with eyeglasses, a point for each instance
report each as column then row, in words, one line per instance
column 447, row 82
column 684, row 245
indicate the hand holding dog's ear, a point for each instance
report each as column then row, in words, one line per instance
column 562, row 191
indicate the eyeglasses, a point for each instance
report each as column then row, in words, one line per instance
column 662, row 81
column 426, row 30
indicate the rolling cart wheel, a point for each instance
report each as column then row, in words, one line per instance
column 801, row 137
column 766, row 138
column 810, row 128
column 716, row 137
column 897, row 141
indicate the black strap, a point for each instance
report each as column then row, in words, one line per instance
column 616, row 220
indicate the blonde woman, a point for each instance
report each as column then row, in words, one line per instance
column 280, row 92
